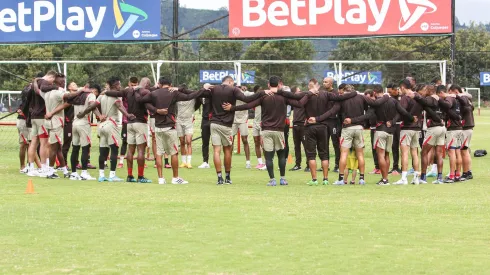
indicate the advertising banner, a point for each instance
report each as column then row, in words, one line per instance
column 312, row 18
column 79, row 20
column 214, row 77
column 484, row 78
column 357, row 77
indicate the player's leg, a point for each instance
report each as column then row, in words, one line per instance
column 67, row 140
column 217, row 162
column 246, row 145
column 141, row 144
column 395, row 148
column 323, row 151
column 183, row 149
column 206, row 136
column 188, row 144
column 297, row 140
column 310, row 147
column 227, row 150
column 124, row 147
column 334, row 132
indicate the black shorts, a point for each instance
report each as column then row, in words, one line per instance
column 316, row 139
column 67, row 132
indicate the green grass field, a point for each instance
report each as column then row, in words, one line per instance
column 245, row 228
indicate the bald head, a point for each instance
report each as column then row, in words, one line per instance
column 145, row 83
column 328, row 83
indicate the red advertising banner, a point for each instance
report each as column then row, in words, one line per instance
column 310, row 18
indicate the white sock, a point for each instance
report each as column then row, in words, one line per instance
column 260, row 161
column 101, row 173
column 84, row 172
column 65, row 171
column 248, row 162
column 189, row 158
column 51, row 171
column 31, row 166
column 121, row 160
column 434, row 168
column 112, row 174
column 43, row 167
column 47, row 162
column 184, row 158
column 404, row 175
column 416, row 174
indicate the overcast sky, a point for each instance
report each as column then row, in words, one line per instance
column 466, row 10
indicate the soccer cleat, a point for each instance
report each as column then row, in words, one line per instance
column 167, row 166
column 144, row 180
column 421, row 181
column 248, row 166
column 272, row 182
column 448, row 180
column 204, row 165
column 339, row 182
column 86, row 177
column 189, row 166
column 228, row 181
column 352, row 183
column 283, row 182
column 431, row 174
column 67, row 175
column 75, row 176
column 220, row 181
column 307, row 170
column 383, row 183
column 325, row 182
column 438, row 181
column 24, row 171
column 411, row 171
column 395, row 172
column 162, row 181
column 115, row 179
column 102, row 179
column 336, row 169
column 263, row 167
column 362, row 182
column 295, row 168
column 183, row 165
column 375, row 172
column 461, row 179
column 120, row 165
column 130, row 179
column 401, row 182
column 416, row 181
column 79, row 166
column 90, row 166
column 52, row 177
column 312, row 183
column 179, row 181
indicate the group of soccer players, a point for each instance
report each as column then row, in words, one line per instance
column 431, row 117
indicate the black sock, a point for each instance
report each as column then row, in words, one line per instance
column 228, row 175
column 220, row 176
column 166, row 161
column 74, row 158
column 325, row 179
column 361, row 177
column 470, row 173
column 269, row 163
column 313, row 179
column 113, row 156
column 282, row 162
column 341, row 177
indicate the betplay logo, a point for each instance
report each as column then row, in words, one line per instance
column 122, row 25
column 409, row 19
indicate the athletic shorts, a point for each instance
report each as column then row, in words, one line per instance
column 256, row 130
column 109, row 134
column 137, row 133
column 24, row 132
column 467, row 135
column 352, row 136
column 221, row 135
column 435, row 136
column 152, row 126
column 56, row 136
column 352, row 161
column 242, row 127
column 383, row 140
column 38, row 129
column 316, row 138
column 273, row 141
column 454, row 139
column 167, row 141
column 410, row 138
column 81, row 135
column 185, row 128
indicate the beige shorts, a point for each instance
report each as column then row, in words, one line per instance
column 81, row 135
column 435, row 136
column 467, row 135
column 242, row 127
column 109, row 134
column 137, row 133
column 152, row 125
column 167, row 141
column 352, row 136
column 273, row 141
column 410, row 138
column 256, row 130
column 221, row 135
column 184, row 128
column 24, row 132
column 38, row 129
column 454, row 139
column 383, row 140
column 56, row 136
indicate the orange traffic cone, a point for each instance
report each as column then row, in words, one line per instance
column 30, row 187
column 290, row 159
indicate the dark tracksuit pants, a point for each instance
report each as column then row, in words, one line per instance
column 299, row 138
column 206, row 136
column 334, row 132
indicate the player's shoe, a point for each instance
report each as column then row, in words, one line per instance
column 102, row 179
column 383, row 183
column 220, row 181
column 313, row 183
column 416, row 181
column 375, row 172
column 431, row 174
column 362, row 182
column 421, row 181
column 248, row 166
column 448, row 180
column 325, row 182
column 115, row 179
column 228, row 181
column 120, row 165
column 204, row 165
column 438, row 181
column 179, row 181
column 272, row 182
column 189, row 166
column 52, row 176
column 144, row 180
column 401, row 182
column 336, row 169
column 86, row 176
column 183, row 165
column 75, row 176
column 263, row 167
column 307, row 170
column 130, row 179
column 162, row 181
column 283, row 182
column 24, row 171
column 90, row 166
column 295, row 168
column 168, row 166
column 339, row 182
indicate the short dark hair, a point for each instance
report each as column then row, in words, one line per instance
column 112, row 80
column 40, row 74
column 226, row 78
column 440, row 89
column 406, row 83
column 294, row 88
column 456, row 87
column 436, row 79
column 378, row 89
column 313, row 80
column 419, row 87
column 342, row 86
column 392, row 86
column 274, row 81
column 133, row 80
column 51, row 73
column 369, row 92
column 95, row 86
column 165, row 81
column 256, row 88
column 183, row 86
